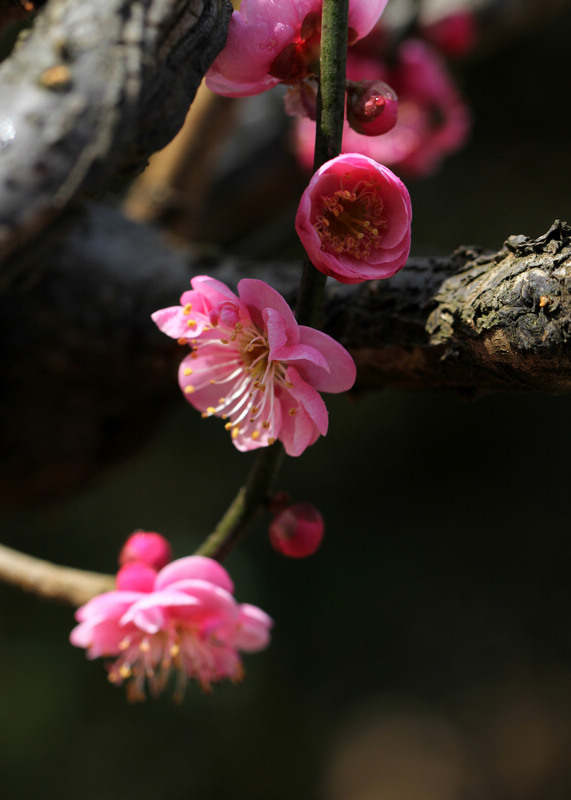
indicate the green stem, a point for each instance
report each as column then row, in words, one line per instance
column 253, row 495
column 247, row 504
column 328, row 133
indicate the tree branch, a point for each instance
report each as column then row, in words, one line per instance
column 67, row 585
column 94, row 89
column 473, row 322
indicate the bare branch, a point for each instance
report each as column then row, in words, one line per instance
column 67, row 585
column 95, row 88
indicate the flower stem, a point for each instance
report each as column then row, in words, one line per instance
column 253, row 495
column 328, row 133
column 249, row 501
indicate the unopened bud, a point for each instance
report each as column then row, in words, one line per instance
column 136, row 577
column 372, row 107
column 297, row 531
column 146, row 546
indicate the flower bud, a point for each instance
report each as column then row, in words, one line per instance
column 297, row 531
column 372, row 107
column 135, row 577
column 146, row 546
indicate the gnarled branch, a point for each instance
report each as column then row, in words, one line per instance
column 93, row 90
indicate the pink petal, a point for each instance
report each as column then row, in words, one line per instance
column 171, row 321
column 257, row 296
column 364, row 14
column 342, row 371
column 195, row 568
column 253, row 629
column 310, row 399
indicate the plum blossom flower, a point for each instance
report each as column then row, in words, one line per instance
column 270, row 43
column 253, row 365
column 354, row 219
column 187, row 622
column 433, row 120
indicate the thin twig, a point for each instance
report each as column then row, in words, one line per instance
column 73, row 586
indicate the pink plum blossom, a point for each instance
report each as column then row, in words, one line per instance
column 253, row 365
column 278, row 42
column 354, row 219
column 433, row 120
column 187, row 622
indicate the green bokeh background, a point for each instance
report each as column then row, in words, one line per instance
column 425, row 653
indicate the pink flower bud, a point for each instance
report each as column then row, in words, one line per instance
column 146, row 546
column 135, row 577
column 297, row 531
column 372, row 107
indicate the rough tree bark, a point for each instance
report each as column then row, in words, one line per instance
column 93, row 90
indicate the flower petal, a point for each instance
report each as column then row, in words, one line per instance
column 194, row 568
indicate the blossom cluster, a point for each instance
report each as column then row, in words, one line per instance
column 181, row 619
column 250, row 363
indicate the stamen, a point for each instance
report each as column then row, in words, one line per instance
column 351, row 222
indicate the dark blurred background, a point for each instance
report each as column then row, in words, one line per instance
column 424, row 653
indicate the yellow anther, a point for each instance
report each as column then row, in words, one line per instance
column 187, row 308
column 224, row 341
column 256, row 435
column 182, row 340
column 221, row 400
column 124, row 671
column 187, row 371
column 272, row 440
column 293, row 411
column 144, row 647
column 266, row 424
column 191, row 323
column 228, row 426
column 175, row 650
column 211, row 410
column 188, row 389
column 124, row 644
column 235, row 432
